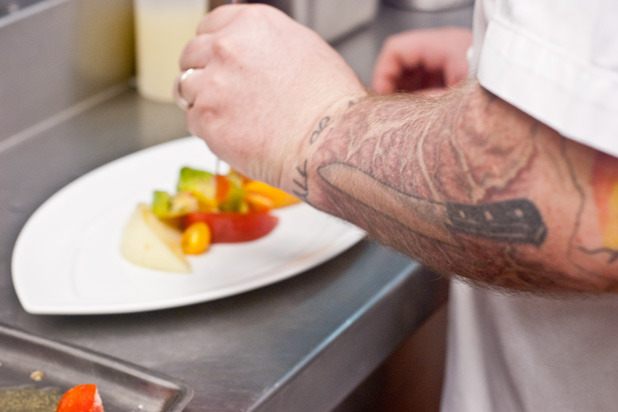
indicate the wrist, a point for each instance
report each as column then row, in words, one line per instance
column 298, row 172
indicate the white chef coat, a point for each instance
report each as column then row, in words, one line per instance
column 556, row 60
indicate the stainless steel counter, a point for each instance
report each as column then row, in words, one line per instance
column 299, row 345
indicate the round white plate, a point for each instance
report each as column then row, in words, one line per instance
column 67, row 259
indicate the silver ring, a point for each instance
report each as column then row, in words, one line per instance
column 182, row 102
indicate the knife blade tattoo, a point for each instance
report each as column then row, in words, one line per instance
column 516, row 221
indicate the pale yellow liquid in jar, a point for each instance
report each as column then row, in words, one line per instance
column 163, row 29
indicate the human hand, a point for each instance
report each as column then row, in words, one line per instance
column 422, row 60
column 261, row 81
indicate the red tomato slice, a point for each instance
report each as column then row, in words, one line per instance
column 81, row 398
column 230, row 227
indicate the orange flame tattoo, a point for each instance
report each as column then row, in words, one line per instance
column 605, row 183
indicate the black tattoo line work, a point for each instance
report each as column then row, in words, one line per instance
column 303, row 188
column 321, row 126
column 612, row 255
column 354, row 101
column 511, row 221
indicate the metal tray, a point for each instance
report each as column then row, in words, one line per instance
column 47, row 366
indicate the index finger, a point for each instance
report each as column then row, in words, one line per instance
column 218, row 18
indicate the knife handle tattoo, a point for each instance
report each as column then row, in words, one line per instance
column 514, row 221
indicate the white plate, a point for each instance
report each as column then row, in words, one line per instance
column 67, row 259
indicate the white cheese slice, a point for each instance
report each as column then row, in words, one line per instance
column 151, row 243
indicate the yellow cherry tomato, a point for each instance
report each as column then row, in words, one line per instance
column 195, row 239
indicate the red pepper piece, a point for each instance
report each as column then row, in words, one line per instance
column 81, row 398
column 230, row 227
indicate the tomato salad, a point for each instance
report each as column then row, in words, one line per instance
column 211, row 208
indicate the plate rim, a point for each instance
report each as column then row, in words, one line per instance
column 346, row 240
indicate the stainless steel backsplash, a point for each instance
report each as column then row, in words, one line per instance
column 55, row 54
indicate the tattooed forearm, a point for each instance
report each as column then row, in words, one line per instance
column 464, row 184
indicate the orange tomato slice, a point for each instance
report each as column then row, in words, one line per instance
column 277, row 196
column 222, row 188
column 258, row 203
